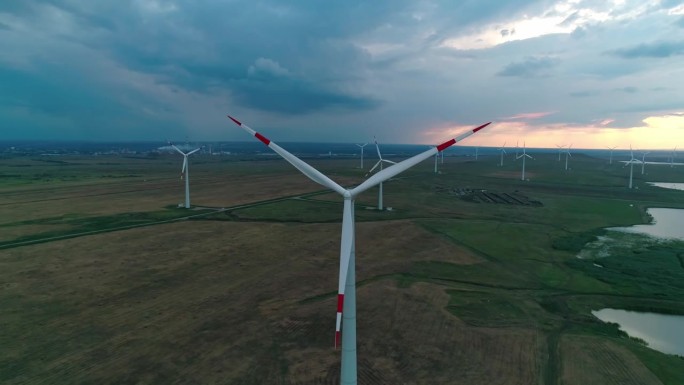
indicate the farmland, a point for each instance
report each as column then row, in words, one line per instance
column 105, row 280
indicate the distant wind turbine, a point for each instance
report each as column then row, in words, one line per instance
column 567, row 153
column 186, row 170
column 380, row 161
column 346, row 289
column 672, row 156
column 560, row 149
column 523, row 156
column 631, row 162
column 503, row 151
column 362, row 146
column 643, row 160
column 476, row 151
column 611, row 154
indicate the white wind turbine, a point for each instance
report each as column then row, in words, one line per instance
column 362, row 146
column 523, row 156
column 567, row 154
column 346, row 297
column 186, row 170
column 672, row 156
column 611, row 154
column 643, row 160
column 380, row 161
column 631, row 162
column 503, row 151
column 560, row 149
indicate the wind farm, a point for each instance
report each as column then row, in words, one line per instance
column 426, row 274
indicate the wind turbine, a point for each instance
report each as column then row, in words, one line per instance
column 362, row 146
column 567, row 153
column 516, row 149
column 560, row 149
column 643, row 160
column 476, row 151
column 523, row 156
column 674, row 154
column 346, row 290
column 503, row 151
column 376, row 165
column 186, row 170
column 631, row 162
column 611, row 154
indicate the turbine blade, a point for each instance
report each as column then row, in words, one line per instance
column 376, row 165
column 299, row 164
column 194, row 151
column 389, row 161
column 177, row 149
column 377, row 147
column 410, row 162
column 345, row 254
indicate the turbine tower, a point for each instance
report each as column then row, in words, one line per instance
column 376, row 165
column 611, row 154
column 674, row 154
column 523, row 156
column 643, row 160
column 476, row 151
column 503, row 151
column 346, row 290
column 631, row 162
column 567, row 154
column 362, row 146
column 186, row 170
column 436, row 157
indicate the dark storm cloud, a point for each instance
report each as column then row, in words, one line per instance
column 659, row 49
column 529, row 67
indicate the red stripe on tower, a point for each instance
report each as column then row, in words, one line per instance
column 337, row 339
column 235, row 120
column 340, row 303
column 476, row 129
column 444, row 145
column 262, row 138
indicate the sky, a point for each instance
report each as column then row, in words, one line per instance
column 590, row 73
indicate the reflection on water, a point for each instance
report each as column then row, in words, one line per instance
column 662, row 332
column 667, row 223
column 673, row 186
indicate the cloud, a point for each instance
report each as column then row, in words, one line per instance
column 529, row 115
column 627, row 90
column 680, row 22
column 584, row 94
column 530, row 67
column 660, row 49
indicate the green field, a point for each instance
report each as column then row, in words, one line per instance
column 105, row 280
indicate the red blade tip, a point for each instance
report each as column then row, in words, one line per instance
column 476, row 129
column 235, row 120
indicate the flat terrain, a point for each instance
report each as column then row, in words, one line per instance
column 104, row 280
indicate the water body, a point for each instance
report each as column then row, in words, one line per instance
column 662, row 332
column 667, row 224
column 672, row 186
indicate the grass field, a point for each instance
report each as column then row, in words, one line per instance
column 104, row 280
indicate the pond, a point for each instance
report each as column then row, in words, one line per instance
column 667, row 223
column 672, row 186
column 662, row 332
